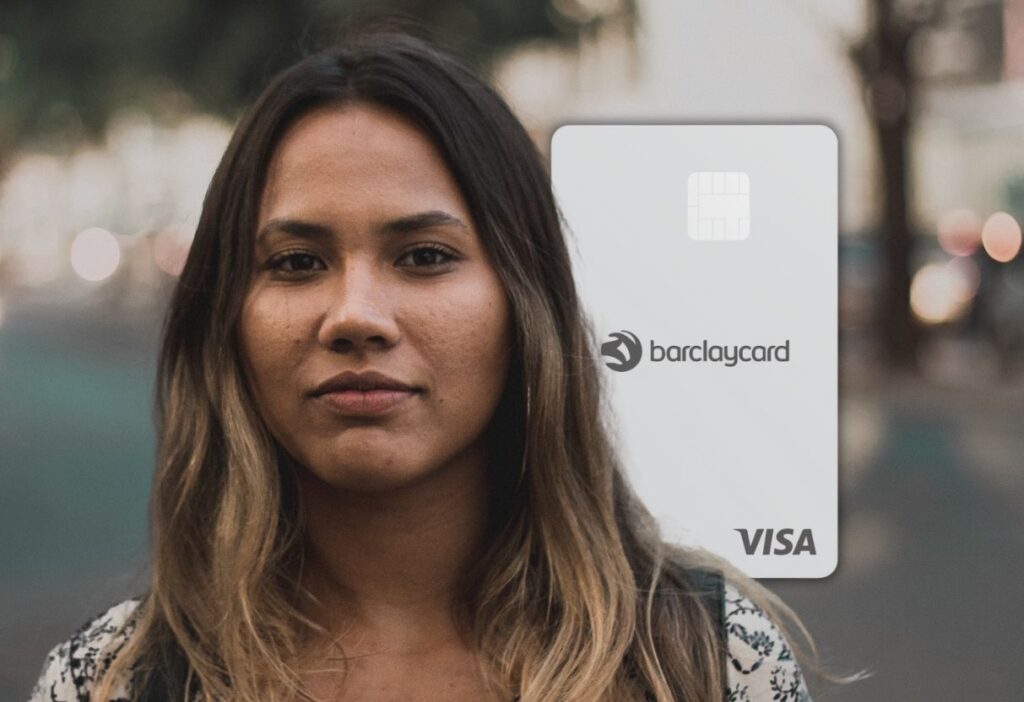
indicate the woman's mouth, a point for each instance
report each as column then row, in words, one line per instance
column 364, row 402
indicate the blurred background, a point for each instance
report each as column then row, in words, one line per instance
column 114, row 114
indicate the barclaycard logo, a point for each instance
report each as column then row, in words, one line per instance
column 623, row 351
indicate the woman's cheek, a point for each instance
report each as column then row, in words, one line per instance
column 464, row 350
column 271, row 345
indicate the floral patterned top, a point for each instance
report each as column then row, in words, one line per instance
column 761, row 666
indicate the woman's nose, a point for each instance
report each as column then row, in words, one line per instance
column 358, row 310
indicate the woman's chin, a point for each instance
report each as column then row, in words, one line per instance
column 368, row 476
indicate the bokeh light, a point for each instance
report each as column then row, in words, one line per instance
column 941, row 292
column 969, row 275
column 95, row 254
column 1001, row 237
column 959, row 232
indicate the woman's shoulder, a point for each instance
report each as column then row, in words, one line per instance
column 761, row 664
column 73, row 666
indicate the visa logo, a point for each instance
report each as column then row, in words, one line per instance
column 777, row 543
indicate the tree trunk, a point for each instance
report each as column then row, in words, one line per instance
column 882, row 59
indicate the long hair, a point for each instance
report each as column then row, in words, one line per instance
column 575, row 597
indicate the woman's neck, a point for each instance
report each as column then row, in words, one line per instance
column 387, row 566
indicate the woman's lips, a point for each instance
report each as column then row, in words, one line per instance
column 366, row 403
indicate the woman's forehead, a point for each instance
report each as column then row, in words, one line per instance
column 356, row 155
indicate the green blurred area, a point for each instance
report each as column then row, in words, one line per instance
column 78, row 446
column 66, row 68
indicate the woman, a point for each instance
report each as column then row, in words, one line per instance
column 383, row 471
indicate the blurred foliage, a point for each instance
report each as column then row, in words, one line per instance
column 66, row 67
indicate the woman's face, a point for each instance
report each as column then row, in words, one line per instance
column 367, row 260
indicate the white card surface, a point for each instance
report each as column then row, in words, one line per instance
column 706, row 257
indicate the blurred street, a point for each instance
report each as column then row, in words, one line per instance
column 927, row 594
column 77, row 454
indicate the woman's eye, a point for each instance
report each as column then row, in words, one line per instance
column 428, row 256
column 295, row 262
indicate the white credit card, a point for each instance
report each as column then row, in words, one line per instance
column 707, row 257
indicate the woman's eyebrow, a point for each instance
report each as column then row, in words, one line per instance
column 295, row 227
column 423, row 220
column 402, row 225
